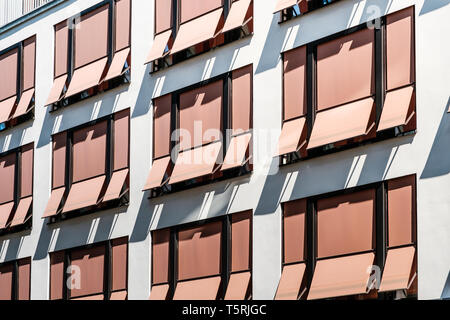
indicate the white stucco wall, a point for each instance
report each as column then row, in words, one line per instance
column 425, row 153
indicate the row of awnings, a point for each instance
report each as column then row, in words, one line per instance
column 199, row 162
column 350, row 275
column 206, row 288
column 336, row 277
column 346, row 122
column 21, row 215
column 331, row 126
column 89, row 76
column 87, row 193
column 199, row 30
column 24, row 106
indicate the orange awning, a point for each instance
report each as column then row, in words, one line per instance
column 95, row 297
column 201, row 289
column 236, row 153
column 160, row 46
column 116, row 184
column 57, row 90
column 397, row 110
column 118, row 65
column 159, row 292
column 345, row 122
column 119, row 295
column 157, row 173
column 84, row 194
column 238, row 286
column 284, row 4
column 5, row 212
column 397, row 269
column 196, row 163
column 24, row 103
column 22, row 211
column 197, row 31
column 343, row 276
column 290, row 282
column 6, row 107
column 54, row 203
column 237, row 16
column 292, row 137
column 86, row 77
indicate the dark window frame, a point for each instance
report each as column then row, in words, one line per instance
column 102, row 87
column 15, row 277
column 379, row 77
column 107, row 274
column 226, row 247
column 226, row 125
column 170, row 60
column 27, row 226
column 109, row 169
column 19, row 84
column 380, row 230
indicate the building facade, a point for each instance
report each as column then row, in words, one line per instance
column 225, row 149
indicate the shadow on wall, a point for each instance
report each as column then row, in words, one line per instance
column 144, row 219
column 45, row 239
column 196, row 69
column 309, row 181
column 146, row 91
column 158, row 83
column 446, row 291
column 12, row 246
column 438, row 162
column 198, row 203
column 79, row 113
column 273, row 190
column 431, row 5
column 228, row 62
column 373, row 9
column 428, row 6
column 272, row 47
column 46, row 130
column 378, row 162
column 91, row 228
column 333, row 173
column 11, row 139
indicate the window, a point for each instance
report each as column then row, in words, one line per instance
column 90, row 167
column 294, row 251
column 207, row 260
column 293, row 8
column 357, row 244
column 16, row 189
column 92, row 53
column 192, row 129
column 185, row 28
column 351, row 88
column 17, row 70
column 94, row 272
column 15, row 280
